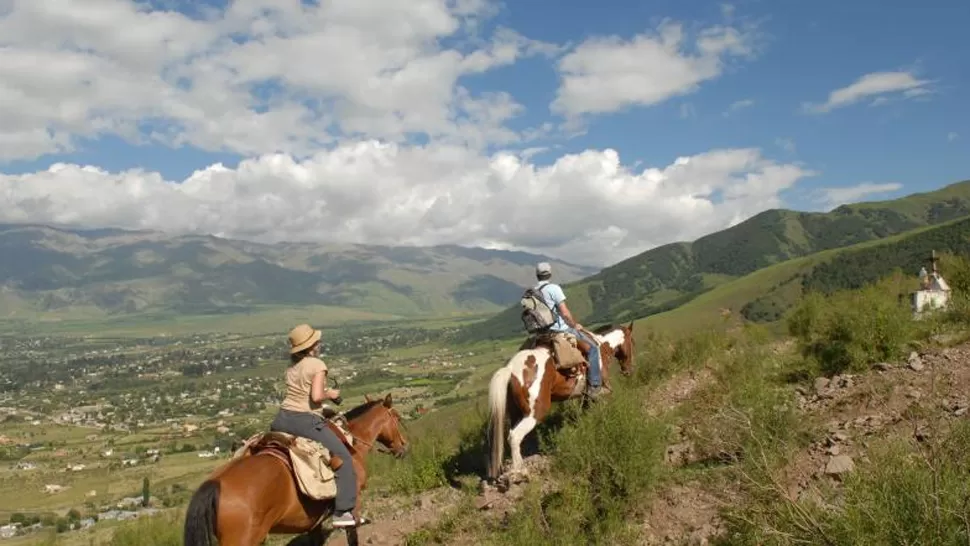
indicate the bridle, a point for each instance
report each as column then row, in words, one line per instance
column 380, row 447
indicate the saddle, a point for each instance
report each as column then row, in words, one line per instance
column 568, row 352
column 310, row 462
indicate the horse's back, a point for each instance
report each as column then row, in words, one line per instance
column 267, row 461
column 529, row 358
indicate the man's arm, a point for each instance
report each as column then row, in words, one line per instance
column 559, row 299
column 567, row 316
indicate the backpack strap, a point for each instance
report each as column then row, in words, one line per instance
column 546, row 299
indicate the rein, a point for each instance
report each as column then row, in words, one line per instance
column 381, row 448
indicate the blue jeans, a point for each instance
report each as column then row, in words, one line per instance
column 594, row 378
column 310, row 425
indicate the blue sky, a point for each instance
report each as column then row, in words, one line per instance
column 808, row 50
column 401, row 77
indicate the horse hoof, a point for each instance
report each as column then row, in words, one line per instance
column 507, row 480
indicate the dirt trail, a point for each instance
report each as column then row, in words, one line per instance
column 393, row 518
column 883, row 402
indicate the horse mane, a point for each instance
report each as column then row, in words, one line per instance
column 605, row 328
column 357, row 411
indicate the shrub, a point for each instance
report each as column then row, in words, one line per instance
column 956, row 272
column 605, row 462
column 746, row 413
column 161, row 530
column 661, row 356
column 442, row 445
column 850, row 330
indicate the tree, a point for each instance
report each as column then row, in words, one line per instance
column 145, row 491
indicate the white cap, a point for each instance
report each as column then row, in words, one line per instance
column 543, row 267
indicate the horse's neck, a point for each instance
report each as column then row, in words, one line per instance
column 365, row 434
column 614, row 337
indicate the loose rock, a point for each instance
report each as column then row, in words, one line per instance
column 915, row 363
column 839, row 464
column 820, row 384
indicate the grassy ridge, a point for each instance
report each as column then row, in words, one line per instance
column 746, row 430
column 768, row 294
column 666, row 277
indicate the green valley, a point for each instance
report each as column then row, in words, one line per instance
column 83, row 275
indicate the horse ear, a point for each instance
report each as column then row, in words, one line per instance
column 367, row 398
column 630, row 327
column 387, row 400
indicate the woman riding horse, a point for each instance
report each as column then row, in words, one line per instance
column 306, row 390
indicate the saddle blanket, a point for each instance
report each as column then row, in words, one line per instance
column 565, row 351
column 309, row 459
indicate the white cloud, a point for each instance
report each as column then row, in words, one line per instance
column 833, row 197
column 786, row 144
column 263, row 75
column 738, row 105
column 607, row 74
column 876, row 84
column 586, row 207
column 323, row 100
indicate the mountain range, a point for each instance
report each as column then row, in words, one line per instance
column 110, row 272
column 101, row 272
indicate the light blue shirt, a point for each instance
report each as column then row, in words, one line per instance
column 553, row 295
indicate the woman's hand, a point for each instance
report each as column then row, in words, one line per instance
column 333, row 394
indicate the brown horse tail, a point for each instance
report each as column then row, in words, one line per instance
column 498, row 394
column 200, row 517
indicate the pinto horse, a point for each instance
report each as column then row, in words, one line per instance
column 248, row 498
column 531, row 381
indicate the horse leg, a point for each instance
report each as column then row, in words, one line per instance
column 516, row 435
column 606, row 358
column 316, row 537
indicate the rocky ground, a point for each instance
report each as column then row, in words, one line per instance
column 394, row 518
column 908, row 399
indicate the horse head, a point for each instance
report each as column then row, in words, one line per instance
column 380, row 416
column 620, row 340
column 626, row 353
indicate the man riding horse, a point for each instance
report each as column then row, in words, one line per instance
column 554, row 297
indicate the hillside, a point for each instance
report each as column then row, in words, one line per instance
column 668, row 276
column 767, row 294
column 117, row 272
column 730, row 437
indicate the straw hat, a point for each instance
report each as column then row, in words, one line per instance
column 303, row 337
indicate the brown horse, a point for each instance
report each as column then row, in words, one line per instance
column 532, row 382
column 248, row 498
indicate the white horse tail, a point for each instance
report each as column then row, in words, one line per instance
column 497, row 398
